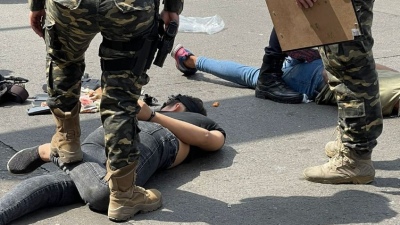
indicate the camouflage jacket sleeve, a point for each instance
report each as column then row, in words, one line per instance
column 173, row 6
column 36, row 5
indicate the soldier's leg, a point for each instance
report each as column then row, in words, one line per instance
column 270, row 84
column 67, row 39
column 359, row 108
column 122, row 47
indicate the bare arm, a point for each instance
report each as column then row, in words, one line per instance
column 186, row 132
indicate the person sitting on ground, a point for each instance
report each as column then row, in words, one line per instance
column 174, row 135
column 305, row 74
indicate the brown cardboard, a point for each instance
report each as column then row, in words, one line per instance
column 327, row 22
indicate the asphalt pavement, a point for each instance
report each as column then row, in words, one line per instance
column 257, row 178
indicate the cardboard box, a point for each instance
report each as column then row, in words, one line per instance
column 327, row 22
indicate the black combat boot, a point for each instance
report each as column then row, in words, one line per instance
column 270, row 84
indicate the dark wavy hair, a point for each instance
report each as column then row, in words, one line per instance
column 192, row 104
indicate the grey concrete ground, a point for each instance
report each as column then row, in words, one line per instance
column 257, row 178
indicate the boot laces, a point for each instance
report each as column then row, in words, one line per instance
column 340, row 161
column 142, row 191
column 70, row 135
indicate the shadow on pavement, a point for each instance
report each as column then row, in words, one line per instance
column 199, row 76
column 15, row 28
column 42, row 214
column 344, row 207
column 392, row 165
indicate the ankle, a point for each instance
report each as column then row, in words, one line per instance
column 44, row 152
column 190, row 62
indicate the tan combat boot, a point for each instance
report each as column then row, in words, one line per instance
column 127, row 199
column 345, row 167
column 66, row 141
column 333, row 147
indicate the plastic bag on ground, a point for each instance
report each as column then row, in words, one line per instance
column 209, row 25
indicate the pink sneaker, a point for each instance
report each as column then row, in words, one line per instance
column 180, row 54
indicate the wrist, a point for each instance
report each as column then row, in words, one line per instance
column 153, row 114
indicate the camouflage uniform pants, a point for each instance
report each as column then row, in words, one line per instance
column 70, row 27
column 354, row 80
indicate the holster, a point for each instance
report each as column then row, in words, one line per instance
column 145, row 47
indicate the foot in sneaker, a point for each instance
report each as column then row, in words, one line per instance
column 25, row 161
column 180, row 54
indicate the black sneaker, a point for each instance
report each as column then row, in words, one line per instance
column 25, row 161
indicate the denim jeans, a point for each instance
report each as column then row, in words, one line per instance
column 84, row 180
column 301, row 77
column 304, row 77
column 158, row 149
column 50, row 190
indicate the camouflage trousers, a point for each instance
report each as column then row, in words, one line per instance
column 354, row 80
column 70, row 27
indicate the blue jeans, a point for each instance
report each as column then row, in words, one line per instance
column 84, row 180
column 302, row 77
column 158, row 148
column 50, row 190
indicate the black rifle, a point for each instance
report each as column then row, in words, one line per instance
column 166, row 43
